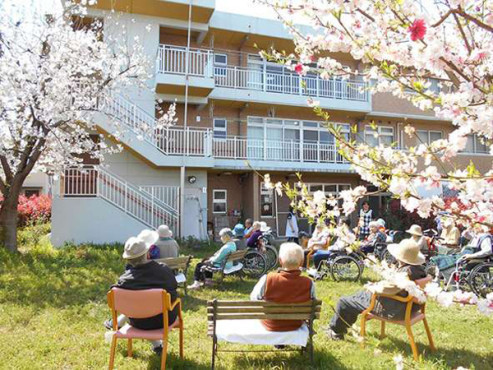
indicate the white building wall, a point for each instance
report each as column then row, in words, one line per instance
column 38, row 180
column 90, row 220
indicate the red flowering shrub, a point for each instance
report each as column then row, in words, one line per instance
column 34, row 209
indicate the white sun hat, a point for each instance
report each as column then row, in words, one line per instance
column 415, row 230
column 148, row 236
column 164, row 231
column 135, row 247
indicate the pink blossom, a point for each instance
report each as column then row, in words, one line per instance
column 417, row 30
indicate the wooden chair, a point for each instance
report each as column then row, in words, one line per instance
column 140, row 304
column 409, row 318
column 236, row 258
column 260, row 310
column 178, row 265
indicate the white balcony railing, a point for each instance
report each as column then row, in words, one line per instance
column 172, row 59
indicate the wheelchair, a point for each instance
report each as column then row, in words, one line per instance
column 475, row 275
column 345, row 265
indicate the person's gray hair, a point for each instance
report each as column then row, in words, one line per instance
column 134, row 262
column 226, row 232
column 374, row 224
column 291, row 254
column 256, row 225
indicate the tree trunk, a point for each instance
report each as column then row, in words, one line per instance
column 8, row 220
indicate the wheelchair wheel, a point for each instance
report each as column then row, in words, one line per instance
column 346, row 268
column 271, row 257
column 390, row 259
column 481, row 279
column 254, row 264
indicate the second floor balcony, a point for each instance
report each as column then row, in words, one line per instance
column 256, row 80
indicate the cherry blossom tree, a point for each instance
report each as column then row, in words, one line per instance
column 56, row 74
column 404, row 45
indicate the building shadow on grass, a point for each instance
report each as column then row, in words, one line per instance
column 452, row 357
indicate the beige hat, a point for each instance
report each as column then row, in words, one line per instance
column 415, row 230
column 148, row 236
column 407, row 251
column 135, row 247
column 164, row 231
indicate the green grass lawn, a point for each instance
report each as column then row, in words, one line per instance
column 53, row 303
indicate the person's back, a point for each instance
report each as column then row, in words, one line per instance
column 150, row 275
column 286, row 287
column 253, row 240
column 168, row 247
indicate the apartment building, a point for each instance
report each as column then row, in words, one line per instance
column 239, row 117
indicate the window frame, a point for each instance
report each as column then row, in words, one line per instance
column 267, row 192
column 221, row 129
column 428, row 137
column 379, row 132
column 220, row 201
column 220, row 67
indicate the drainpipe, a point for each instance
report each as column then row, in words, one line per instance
column 185, row 118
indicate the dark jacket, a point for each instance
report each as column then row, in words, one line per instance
column 394, row 309
column 151, row 275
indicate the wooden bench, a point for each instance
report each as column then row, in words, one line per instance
column 178, row 265
column 236, row 258
column 260, row 310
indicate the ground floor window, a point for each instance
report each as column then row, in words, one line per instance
column 219, row 201
column 29, row 192
column 266, row 201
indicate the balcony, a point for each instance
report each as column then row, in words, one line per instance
column 259, row 81
column 234, row 151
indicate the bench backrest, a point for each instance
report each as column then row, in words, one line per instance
column 246, row 310
column 236, row 256
column 176, row 263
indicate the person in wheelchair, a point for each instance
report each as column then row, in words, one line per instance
column 345, row 237
column 255, row 239
column 376, row 237
column 449, row 237
column 417, row 235
column 480, row 247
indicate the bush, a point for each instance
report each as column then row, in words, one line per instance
column 397, row 218
column 33, row 210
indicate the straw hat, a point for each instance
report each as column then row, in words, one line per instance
column 164, row 231
column 415, row 230
column 135, row 247
column 408, row 252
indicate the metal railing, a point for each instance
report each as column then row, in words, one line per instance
column 141, row 205
column 172, row 59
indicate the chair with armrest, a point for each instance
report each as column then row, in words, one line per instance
column 409, row 319
column 312, row 251
column 140, row 304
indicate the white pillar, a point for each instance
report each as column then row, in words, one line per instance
column 182, row 201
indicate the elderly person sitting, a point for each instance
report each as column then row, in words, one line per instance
column 419, row 238
column 202, row 275
column 254, row 239
column 248, row 228
column 375, row 237
column 239, row 239
column 285, row 286
column 410, row 260
column 450, row 237
column 479, row 247
column 144, row 274
column 165, row 246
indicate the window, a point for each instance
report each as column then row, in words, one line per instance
column 427, row 137
column 380, row 136
column 266, row 201
column 29, row 192
column 220, row 128
column 328, row 189
column 475, row 145
column 219, row 201
column 220, row 63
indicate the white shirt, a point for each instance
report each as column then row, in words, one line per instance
column 292, row 226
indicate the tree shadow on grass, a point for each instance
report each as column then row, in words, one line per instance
column 70, row 277
column 452, row 357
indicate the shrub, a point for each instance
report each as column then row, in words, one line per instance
column 33, row 210
column 398, row 218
